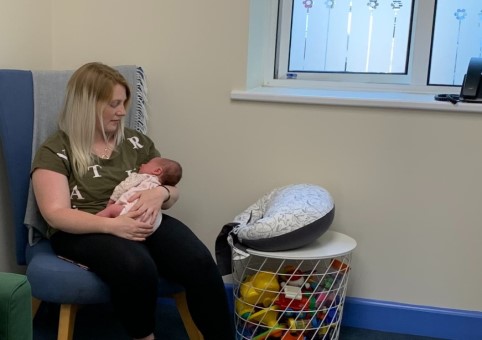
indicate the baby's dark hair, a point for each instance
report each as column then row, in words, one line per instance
column 172, row 172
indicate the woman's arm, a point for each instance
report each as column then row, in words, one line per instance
column 171, row 197
column 151, row 201
column 53, row 198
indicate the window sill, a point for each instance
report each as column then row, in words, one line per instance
column 352, row 98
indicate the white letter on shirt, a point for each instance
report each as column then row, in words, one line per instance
column 94, row 168
column 76, row 192
column 135, row 142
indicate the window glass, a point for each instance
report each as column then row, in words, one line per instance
column 350, row 36
column 457, row 36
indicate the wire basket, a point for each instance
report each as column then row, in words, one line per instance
column 289, row 299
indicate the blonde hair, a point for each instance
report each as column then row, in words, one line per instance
column 89, row 90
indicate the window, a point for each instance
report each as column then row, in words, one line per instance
column 410, row 43
column 426, row 52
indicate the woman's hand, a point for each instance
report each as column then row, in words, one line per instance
column 149, row 203
column 127, row 227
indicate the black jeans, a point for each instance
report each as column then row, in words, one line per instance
column 131, row 270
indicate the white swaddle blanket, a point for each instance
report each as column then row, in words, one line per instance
column 135, row 182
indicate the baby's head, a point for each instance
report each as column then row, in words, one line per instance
column 168, row 171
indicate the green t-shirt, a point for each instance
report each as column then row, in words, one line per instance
column 91, row 192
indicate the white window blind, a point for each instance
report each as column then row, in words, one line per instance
column 350, row 36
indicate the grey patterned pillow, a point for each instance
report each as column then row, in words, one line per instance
column 286, row 218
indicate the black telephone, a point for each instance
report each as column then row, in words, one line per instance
column 471, row 87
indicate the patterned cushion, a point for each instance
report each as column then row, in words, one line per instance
column 286, row 218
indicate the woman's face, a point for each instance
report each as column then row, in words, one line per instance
column 114, row 111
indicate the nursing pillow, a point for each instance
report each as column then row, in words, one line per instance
column 286, row 218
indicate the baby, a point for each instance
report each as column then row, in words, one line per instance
column 158, row 171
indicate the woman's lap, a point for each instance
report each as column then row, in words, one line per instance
column 172, row 246
column 173, row 251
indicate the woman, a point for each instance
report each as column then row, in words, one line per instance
column 73, row 175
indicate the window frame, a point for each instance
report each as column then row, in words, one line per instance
column 261, row 84
column 283, row 56
column 418, row 64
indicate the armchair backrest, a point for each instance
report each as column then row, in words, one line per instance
column 16, row 129
column 22, row 93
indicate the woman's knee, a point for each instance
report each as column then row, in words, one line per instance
column 132, row 266
column 139, row 267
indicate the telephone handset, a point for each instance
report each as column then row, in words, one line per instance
column 471, row 87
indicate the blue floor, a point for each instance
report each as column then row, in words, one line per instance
column 98, row 323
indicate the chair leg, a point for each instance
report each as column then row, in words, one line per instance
column 35, row 306
column 67, row 322
column 191, row 329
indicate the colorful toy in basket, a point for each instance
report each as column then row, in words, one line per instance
column 293, row 281
column 266, row 316
column 259, row 289
column 295, row 293
column 293, row 336
column 294, row 276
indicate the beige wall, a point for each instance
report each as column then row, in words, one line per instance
column 406, row 183
column 25, row 42
column 25, row 34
